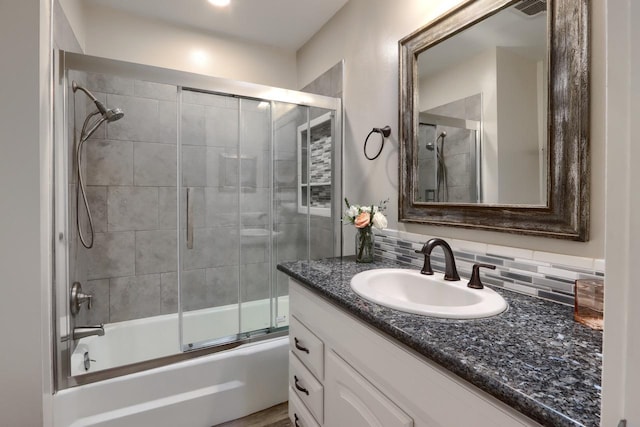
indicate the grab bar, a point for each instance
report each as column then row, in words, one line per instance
column 189, row 219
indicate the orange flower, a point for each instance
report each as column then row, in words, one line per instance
column 362, row 220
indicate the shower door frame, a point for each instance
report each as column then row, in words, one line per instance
column 86, row 63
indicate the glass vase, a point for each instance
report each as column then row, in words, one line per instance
column 364, row 244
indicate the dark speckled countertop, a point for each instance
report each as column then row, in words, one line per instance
column 534, row 356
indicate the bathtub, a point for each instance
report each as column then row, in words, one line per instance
column 201, row 391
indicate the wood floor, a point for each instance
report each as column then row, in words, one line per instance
column 276, row 416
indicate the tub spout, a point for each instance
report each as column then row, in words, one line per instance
column 80, row 332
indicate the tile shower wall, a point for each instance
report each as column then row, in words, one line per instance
column 541, row 274
column 457, row 150
column 131, row 173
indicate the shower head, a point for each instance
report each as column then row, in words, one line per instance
column 432, row 145
column 110, row 115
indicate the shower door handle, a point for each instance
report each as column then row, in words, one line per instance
column 189, row 219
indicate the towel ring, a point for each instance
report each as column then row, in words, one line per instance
column 385, row 132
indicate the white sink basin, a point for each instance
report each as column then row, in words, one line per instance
column 413, row 292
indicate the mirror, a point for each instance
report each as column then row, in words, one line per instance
column 494, row 106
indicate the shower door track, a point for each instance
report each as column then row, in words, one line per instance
column 216, row 346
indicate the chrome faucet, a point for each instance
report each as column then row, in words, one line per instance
column 87, row 331
column 451, row 272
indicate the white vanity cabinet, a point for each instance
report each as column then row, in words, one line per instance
column 353, row 375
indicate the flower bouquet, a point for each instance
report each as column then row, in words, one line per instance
column 365, row 218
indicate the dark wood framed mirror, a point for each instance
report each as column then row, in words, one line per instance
column 506, row 146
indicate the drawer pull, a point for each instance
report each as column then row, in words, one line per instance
column 299, row 387
column 299, row 347
column 295, row 422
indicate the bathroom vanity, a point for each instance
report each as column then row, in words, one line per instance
column 356, row 363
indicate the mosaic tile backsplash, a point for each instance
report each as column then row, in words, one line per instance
column 540, row 277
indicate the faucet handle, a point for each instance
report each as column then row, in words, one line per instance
column 475, row 281
column 78, row 297
column 426, row 267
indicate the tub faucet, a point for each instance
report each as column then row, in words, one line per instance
column 87, row 331
column 451, row 272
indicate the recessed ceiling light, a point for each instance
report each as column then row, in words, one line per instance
column 220, row 3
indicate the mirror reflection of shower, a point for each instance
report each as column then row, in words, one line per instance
column 442, row 186
column 449, row 160
column 90, row 125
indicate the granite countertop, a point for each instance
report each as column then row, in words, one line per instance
column 534, row 357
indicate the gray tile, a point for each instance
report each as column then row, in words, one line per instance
column 109, row 163
column 157, row 91
column 216, row 167
column 212, row 247
column 194, row 166
column 132, row 208
column 99, row 312
column 223, row 282
column 169, row 293
column 109, row 84
column 134, row 297
column 285, row 139
column 221, row 126
column 166, row 126
column 155, row 251
column 221, row 207
column 254, row 249
column 254, row 281
column 155, row 164
column 112, row 255
column 255, row 128
column 554, row 296
column 193, row 125
column 97, row 198
column 145, row 120
column 167, row 208
column 195, row 293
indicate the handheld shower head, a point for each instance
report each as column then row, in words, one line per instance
column 110, row 115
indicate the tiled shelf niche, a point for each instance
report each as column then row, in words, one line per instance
column 315, row 148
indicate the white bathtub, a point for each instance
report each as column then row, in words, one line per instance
column 203, row 391
column 138, row 340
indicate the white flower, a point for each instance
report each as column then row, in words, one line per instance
column 379, row 221
column 352, row 212
column 366, row 209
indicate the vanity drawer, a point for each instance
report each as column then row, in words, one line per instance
column 307, row 388
column 308, row 347
column 298, row 413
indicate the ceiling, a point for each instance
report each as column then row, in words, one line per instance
column 286, row 24
column 524, row 35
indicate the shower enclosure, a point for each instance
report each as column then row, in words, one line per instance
column 449, row 153
column 195, row 193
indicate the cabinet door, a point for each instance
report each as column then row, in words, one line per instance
column 352, row 401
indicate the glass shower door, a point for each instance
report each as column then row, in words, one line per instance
column 209, row 252
column 256, row 225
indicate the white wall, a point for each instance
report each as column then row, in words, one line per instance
column 476, row 75
column 116, row 35
column 24, row 131
column 517, row 103
column 365, row 34
column 75, row 13
column 621, row 375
